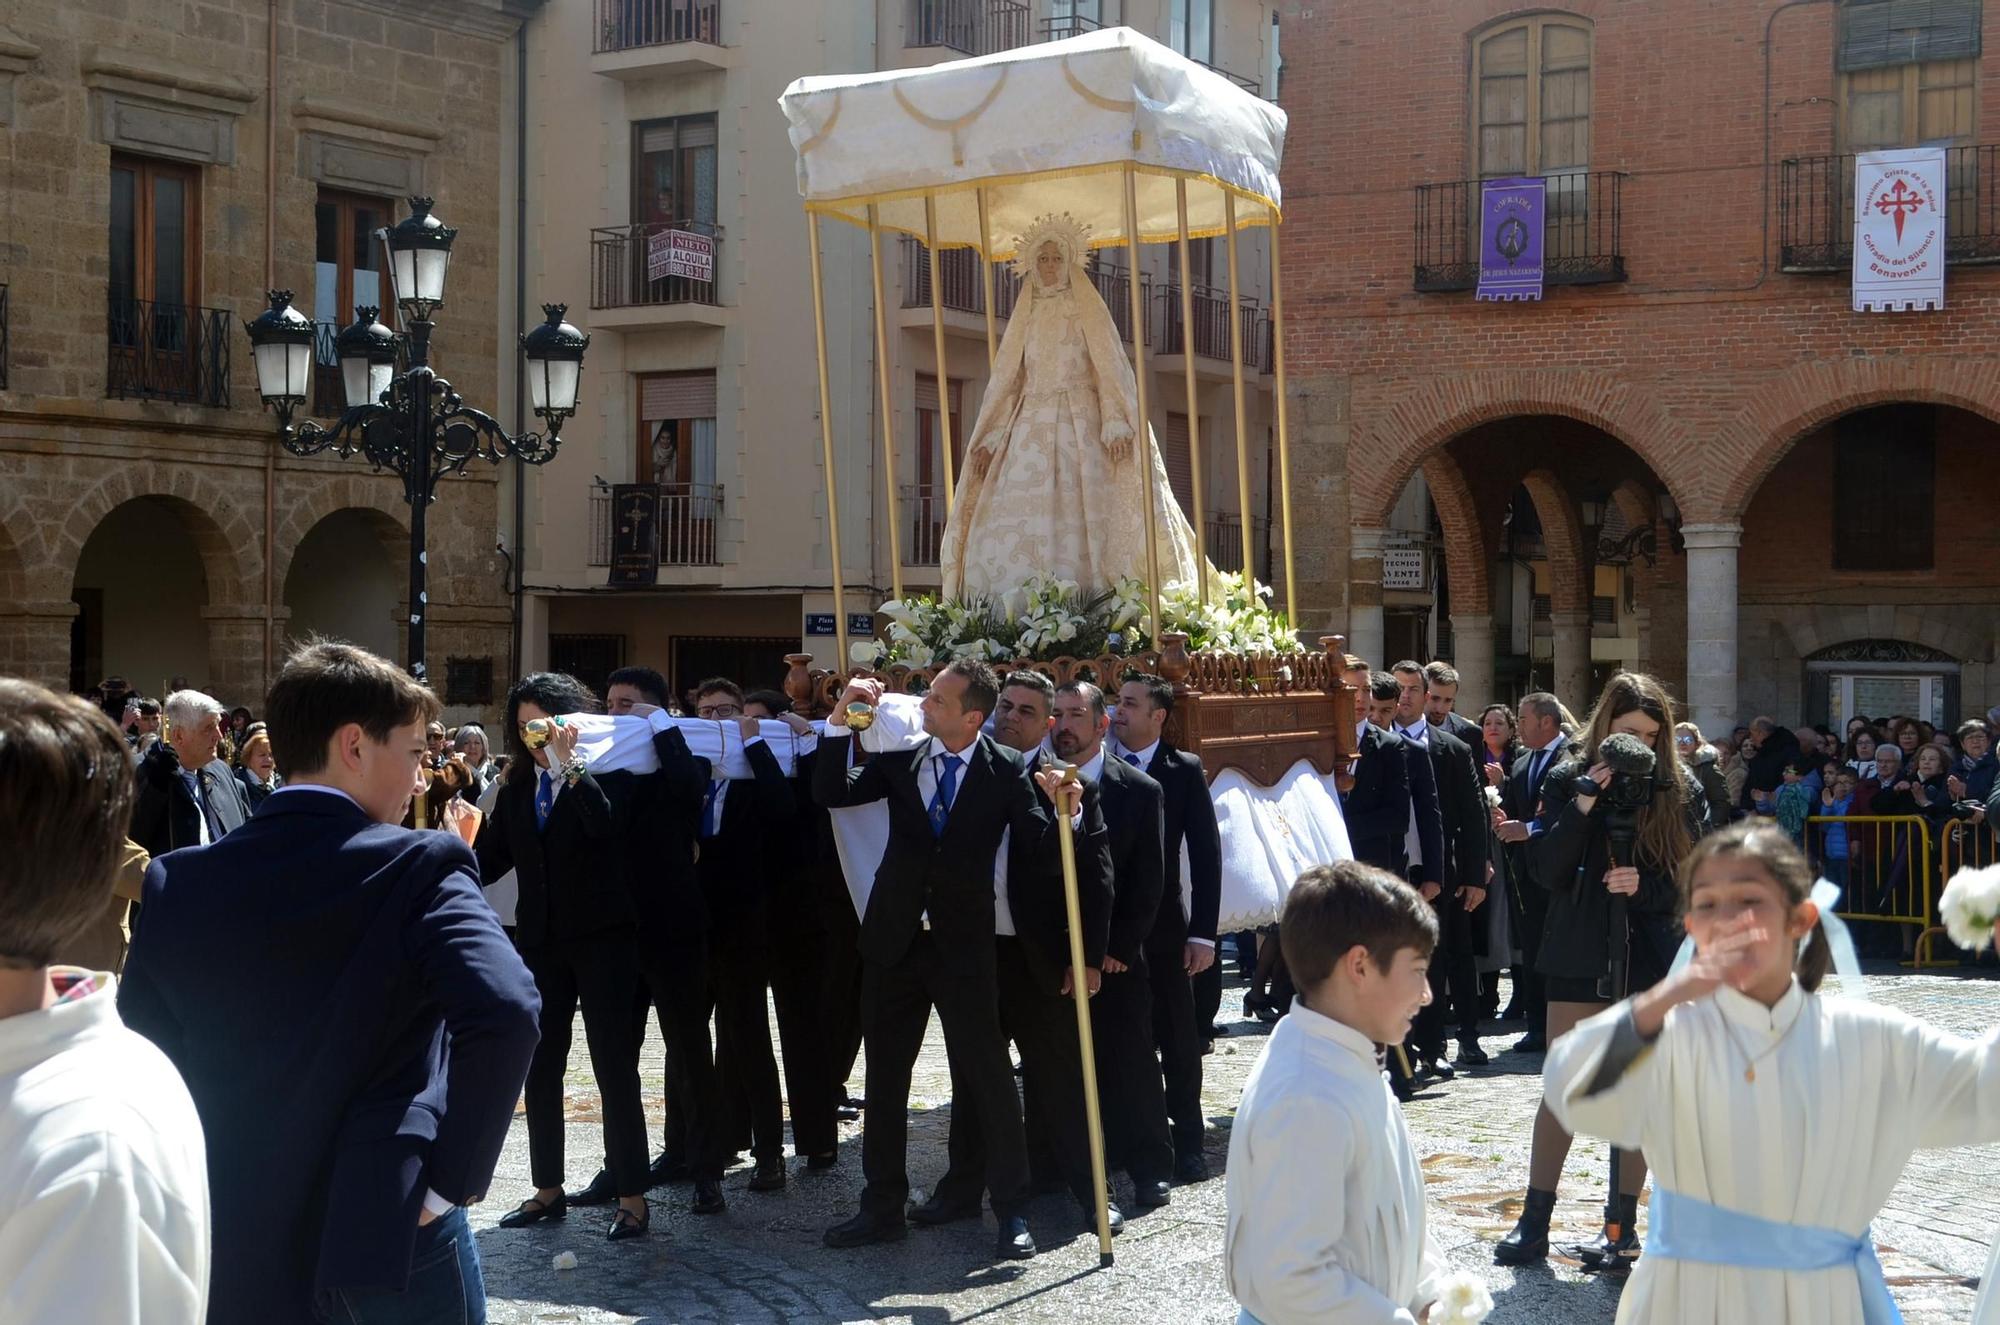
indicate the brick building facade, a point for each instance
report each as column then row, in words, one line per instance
column 1805, row 493
column 159, row 169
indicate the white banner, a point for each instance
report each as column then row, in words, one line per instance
column 1899, row 230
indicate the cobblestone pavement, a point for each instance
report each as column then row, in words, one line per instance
column 763, row 1261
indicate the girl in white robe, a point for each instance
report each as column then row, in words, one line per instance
column 1776, row 1121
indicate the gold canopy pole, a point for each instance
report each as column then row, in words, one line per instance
column 1193, row 410
column 986, row 279
column 888, row 409
column 1236, row 376
column 1080, row 992
column 937, row 342
column 826, row 450
column 1142, row 439
column 1284, row 432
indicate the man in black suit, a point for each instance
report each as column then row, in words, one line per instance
column 563, row 831
column 187, row 796
column 1378, row 808
column 1462, row 889
column 927, row 933
column 306, row 976
column 1540, row 725
column 1136, row 1133
column 1180, row 949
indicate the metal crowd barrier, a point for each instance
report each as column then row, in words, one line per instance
column 1888, row 875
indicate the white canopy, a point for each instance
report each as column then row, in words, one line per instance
column 1040, row 129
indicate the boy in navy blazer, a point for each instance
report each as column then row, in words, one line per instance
column 352, row 1023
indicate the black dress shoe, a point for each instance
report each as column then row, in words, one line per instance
column 1401, row 1087
column 625, row 1224
column 599, row 1192
column 666, row 1169
column 532, row 1211
column 863, row 1229
column 770, row 1175
column 846, row 1113
column 1152, row 1194
column 1116, row 1218
column 1534, row 1042
column 821, row 1163
column 1015, row 1243
column 938, row 1210
column 1191, row 1167
column 708, row 1198
column 1440, row 1067
column 1471, row 1055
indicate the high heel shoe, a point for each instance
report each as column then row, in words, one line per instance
column 1260, row 1006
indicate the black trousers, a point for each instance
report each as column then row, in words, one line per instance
column 840, row 974
column 600, row 972
column 674, row 986
column 752, row 1111
column 1042, row 1023
column 797, row 967
column 1208, row 998
column 1454, row 981
column 960, row 980
column 1136, row 1136
column 1179, row 1033
column 1531, row 913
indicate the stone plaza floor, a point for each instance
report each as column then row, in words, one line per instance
column 763, row 1261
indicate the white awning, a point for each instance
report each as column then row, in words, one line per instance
column 1043, row 128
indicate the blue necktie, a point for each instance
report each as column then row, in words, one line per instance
column 709, row 826
column 947, row 788
column 545, row 799
column 1132, row 760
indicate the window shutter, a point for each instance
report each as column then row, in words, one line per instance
column 697, row 133
column 1875, row 33
column 927, row 396
column 1174, row 450
column 677, row 396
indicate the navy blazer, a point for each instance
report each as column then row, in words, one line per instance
column 354, row 1027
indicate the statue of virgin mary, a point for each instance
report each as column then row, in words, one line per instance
column 1051, row 482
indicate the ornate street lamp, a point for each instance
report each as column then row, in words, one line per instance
column 413, row 424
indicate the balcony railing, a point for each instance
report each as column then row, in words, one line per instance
column 1211, row 326
column 961, row 273
column 624, row 25
column 166, row 352
column 688, row 516
column 1224, row 542
column 1816, row 210
column 622, row 258
column 1068, row 25
column 970, row 27
column 3, row 338
column 922, row 515
column 1115, row 285
column 1580, row 238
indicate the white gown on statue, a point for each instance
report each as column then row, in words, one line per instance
column 1051, row 484
column 1819, row 1138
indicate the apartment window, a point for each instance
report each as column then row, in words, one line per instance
column 1064, row 11
column 155, row 216
column 930, row 461
column 1531, row 98
column 674, row 172
column 1191, row 28
column 1177, row 455
column 1907, row 72
column 1884, row 489
column 677, row 431
column 347, row 261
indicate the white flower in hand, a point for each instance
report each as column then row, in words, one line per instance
column 1462, row 1300
column 1970, row 906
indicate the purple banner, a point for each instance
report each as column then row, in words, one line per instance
column 1510, row 238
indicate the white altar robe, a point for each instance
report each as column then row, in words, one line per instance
column 1326, row 1221
column 1819, row 1138
column 1987, row 1310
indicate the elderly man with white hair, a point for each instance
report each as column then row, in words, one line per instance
column 187, row 796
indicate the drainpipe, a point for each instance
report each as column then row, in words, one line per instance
column 518, row 561
column 270, row 280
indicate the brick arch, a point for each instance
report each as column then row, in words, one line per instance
column 14, row 547
column 1948, row 629
column 1784, row 411
column 1427, row 418
column 1465, row 546
column 1562, row 540
column 313, row 502
column 1635, row 501
column 210, row 512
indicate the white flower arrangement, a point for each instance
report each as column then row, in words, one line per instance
column 1970, row 906
column 1462, row 1300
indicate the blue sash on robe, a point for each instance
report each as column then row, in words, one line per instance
column 1684, row 1228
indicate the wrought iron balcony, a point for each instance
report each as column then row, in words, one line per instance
column 3, row 338
column 1224, row 541
column 689, row 514
column 1580, row 239
column 1068, row 25
column 922, row 515
column 624, row 25
column 1816, row 210
column 1115, row 285
column 961, row 276
column 970, row 27
column 1211, row 326
column 634, row 266
column 166, row 352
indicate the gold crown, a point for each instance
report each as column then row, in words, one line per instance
column 1070, row 234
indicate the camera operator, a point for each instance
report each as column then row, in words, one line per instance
column 1615, row 827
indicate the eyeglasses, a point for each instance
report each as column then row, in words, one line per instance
column 718, row 711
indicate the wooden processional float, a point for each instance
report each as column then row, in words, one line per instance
column 1141, row 146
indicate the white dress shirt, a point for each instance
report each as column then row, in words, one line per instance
column 1419, row 735
column 1145, row 765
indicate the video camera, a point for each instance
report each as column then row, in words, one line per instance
column 1633, row 767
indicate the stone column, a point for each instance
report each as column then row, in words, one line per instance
column 35, row 642
column 1364, row 594
column 1572, row 661
column 1472, row 655
column 1711, row 638
column 236, row 655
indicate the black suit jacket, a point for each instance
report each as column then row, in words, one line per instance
column 1035, row 896
column 1462, row 809
column 1190, row 818
column 165, row 816
column 1135, row 820
column 1377, row 807
column 659, row 843
column 571, row 871
column 950, row 877
column 353, row 1026
column 758, row 815
column 1425, row 803
column 1466, row 730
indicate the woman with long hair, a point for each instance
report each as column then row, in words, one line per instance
column 1572, row 859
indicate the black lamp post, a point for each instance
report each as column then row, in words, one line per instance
column 413, row 423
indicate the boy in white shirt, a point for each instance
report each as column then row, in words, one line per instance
column 1326, row 1198
column 103, row 1178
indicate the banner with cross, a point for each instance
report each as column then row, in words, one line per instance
column 1899, row 230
